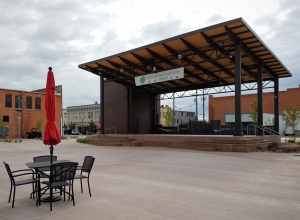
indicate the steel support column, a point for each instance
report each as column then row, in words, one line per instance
column 237, row 98
column 203, row 105
column 259, row 101
column 173, row 107
column 102, row 104
column 129, row 104
column 155, row 113
column 276, row 105
column 196, row 102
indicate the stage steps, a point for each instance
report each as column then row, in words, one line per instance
column 199, row 142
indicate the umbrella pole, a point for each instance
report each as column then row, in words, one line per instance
column 51, row 154
column 51, row 161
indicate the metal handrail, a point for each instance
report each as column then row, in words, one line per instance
column 271, row 131
column 263, row 129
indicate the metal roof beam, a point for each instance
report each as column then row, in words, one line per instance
column 226, row 53
column 144, row 62
column 136, row 66
column 106, row 72
column 244, row 47
column 107, row 75
column 170, row 63
column 196, row 65
column 115, row 73
column 225, row 34
column 206, row 57
column 129, row 71
column 131, row 64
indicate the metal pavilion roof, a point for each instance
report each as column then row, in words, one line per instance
column 206, row 54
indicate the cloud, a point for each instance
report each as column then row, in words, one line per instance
column 282, row 37
column 52, row 33
column 162, row 29
column 66, row 33
column 215, row 18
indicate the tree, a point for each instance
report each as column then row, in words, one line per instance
column 39, row 125
column 168, row 116
column 92, row 127
column 291, row 116
column 253, row 114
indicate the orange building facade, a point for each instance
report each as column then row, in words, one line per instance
column 219, row 106
column 22, row 111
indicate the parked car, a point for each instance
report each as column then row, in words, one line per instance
column 75, row 132
column 34, row 133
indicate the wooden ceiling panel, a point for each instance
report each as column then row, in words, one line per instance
column 215, row 31
column 217, row 45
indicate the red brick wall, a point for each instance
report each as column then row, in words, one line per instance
column 29, row 117
column 218, row 106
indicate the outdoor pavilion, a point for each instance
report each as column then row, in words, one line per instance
column 228, row 53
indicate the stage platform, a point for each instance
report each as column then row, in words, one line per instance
column 225, row 143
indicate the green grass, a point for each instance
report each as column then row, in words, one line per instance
column 82, row 140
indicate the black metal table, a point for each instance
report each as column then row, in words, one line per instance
column 39, row 165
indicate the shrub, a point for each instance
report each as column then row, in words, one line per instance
column 82, row 140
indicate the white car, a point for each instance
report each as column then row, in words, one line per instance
column 74, row 132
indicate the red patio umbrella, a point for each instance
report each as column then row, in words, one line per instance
column 51, row 133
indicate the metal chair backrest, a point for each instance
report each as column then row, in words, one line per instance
column 8, row 170
column 88, row 163
column 62, row 172
column 44, row 158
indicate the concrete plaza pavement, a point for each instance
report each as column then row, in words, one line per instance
column 163, row 184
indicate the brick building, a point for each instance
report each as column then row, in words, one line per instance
column 20, row 111
column 220, row 106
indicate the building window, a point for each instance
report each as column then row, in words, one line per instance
column 5, row 118
column 37, row 102
column 29, row 102
column 18, row 101
column 8, row 101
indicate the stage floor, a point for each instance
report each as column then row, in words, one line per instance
column 200, row 142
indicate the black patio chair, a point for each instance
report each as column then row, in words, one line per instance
column 15, row 181
column 61, row 176
column 44, row 158
column 85, row 171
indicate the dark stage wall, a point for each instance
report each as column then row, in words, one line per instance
column 128, row 110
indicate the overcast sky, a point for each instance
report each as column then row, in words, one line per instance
column 62, row 34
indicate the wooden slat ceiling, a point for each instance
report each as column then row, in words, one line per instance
column 207, row 56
